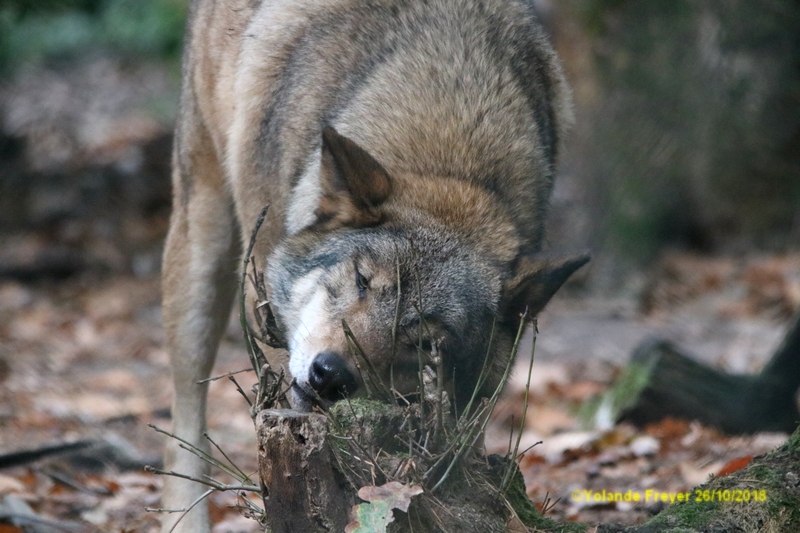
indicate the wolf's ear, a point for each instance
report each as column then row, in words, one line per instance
column 535, row 281
column 354, row 184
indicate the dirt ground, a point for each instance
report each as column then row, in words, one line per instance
column 82, row 354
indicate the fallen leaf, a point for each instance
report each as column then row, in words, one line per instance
column 696, row 475
column 644, row 445
column 735, row 465
column 395, row 493
column 373, row 517
column 553, row 448
column 669, row 430
column 10, row 484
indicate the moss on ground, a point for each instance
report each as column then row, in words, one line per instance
column 774, row 477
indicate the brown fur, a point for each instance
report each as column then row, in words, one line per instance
column 448, row 115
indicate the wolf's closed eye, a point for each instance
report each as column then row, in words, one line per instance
column 362, row 283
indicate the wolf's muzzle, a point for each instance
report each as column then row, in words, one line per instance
column 330, row 377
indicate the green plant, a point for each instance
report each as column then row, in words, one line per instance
column 35, row 32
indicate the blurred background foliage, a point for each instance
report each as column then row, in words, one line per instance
column 88, row 99
column 688, row 130
column 695, row 130
column 34, row 31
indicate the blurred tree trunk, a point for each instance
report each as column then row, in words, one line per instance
column 696, row 131
column 673, row 384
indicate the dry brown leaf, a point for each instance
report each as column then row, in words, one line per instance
column 377, row 514
column 695, row 475
column 735, row 465
column 396, row 494
column 10, row 485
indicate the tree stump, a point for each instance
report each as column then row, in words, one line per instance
column 312, row 468
column 300, row 487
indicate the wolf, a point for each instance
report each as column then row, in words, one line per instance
column 406, row 150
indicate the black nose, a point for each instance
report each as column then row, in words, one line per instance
column 330, row 377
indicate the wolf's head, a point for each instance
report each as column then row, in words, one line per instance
column 395, row 267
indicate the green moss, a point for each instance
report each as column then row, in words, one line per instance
column 689, row 515
column 793, row 444
column 373, row 424
column 762, row 473
column 621, row 396
column 358, row 409
column 527, row 512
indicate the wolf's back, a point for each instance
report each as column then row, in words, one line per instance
column 459, row 88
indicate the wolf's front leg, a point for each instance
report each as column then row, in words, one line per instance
column 199, row 282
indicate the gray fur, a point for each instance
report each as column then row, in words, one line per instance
column 445, row 118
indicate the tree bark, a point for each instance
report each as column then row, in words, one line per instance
column 300, row 487
column 669, row 383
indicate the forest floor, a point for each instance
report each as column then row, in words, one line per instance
column 85, row 359
column 82, row 353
